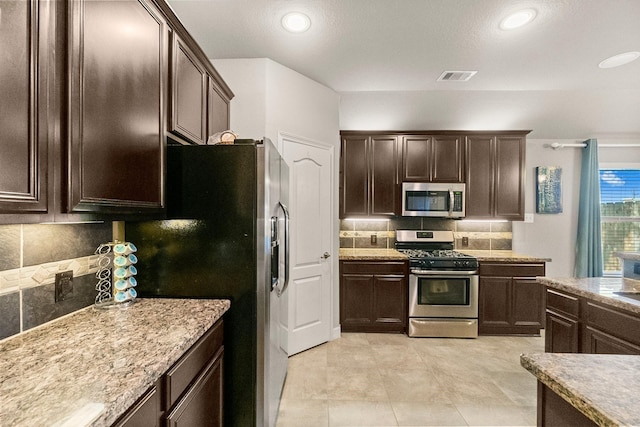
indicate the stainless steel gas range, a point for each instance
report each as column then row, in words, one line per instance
column 443, row 285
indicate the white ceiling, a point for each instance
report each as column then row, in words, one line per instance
column 382, row 50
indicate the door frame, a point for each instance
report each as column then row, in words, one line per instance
column 283, row 136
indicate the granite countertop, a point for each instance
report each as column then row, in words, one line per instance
column 89, row 367
column 605, row 388
column 347, row 254
column 392, row 254
column 502, row 256
column 599, row 289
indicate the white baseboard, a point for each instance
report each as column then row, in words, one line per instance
column 335, row 334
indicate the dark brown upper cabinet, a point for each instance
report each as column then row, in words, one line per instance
column 432, row 158
column 117, row 86
column 189, row 85
column 369, row 182
column 495, row 169
column 217, row 109
column 199, row 97
column 85, row 111
column 25, row 43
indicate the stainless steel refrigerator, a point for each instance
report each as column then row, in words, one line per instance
column 226, row 236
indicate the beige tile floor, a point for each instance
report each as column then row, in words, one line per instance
column 393, row 380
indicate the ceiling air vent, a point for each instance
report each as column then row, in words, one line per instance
column 456, row 76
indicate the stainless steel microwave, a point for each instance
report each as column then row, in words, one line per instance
column 433, row 199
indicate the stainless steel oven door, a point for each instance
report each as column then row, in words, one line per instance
column 450, row 294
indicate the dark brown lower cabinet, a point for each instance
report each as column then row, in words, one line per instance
column 194, row 409
column 373, row 296
column 190, row 393
column 576, row 324
column 598, row 342
column 510, row 301
column 553, row 410
column 146, row 412
column 561, row 334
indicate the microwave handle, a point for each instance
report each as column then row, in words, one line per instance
column 450, row 202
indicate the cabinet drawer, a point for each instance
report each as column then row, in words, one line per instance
column 374, row 267
column 598, row 342
column 617, row 323
column 187, row 368
column 562, row 302
column 202, row 404
column 512, row 270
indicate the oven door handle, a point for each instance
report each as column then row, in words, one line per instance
column 443, row 273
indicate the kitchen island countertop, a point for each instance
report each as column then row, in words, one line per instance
column 89, row 367
column 632, row 256
column 602, row 289
column 603, row 387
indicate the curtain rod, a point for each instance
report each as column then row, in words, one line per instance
column 557, row 145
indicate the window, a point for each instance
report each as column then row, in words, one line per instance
column 620, row 214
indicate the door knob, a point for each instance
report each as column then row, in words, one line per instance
column 326, row 255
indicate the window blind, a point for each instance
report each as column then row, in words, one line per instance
column 620, row 214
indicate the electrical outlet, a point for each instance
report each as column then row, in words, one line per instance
column 64, row 285
column 528, row 218
column 374, row 239
column 465, row 242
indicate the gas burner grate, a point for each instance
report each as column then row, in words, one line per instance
column 437, row 253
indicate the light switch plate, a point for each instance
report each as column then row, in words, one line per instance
column 528, row 217
column 64, row 285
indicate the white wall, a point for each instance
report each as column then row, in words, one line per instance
column 554, row 235
column 271, row 99
column 300, row 106
column 551, row 235
column 247, row 78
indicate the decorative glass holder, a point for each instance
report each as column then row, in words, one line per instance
column 116, row 274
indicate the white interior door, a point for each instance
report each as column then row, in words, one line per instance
column 311, row 261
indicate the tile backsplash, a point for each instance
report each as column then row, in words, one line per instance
column 30, row 257
column 481, row 235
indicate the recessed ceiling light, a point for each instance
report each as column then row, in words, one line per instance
column 296, row 22
column 518, row 19
column 618, row 60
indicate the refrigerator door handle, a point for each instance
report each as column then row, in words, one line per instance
column 286, row 248
column 275, row 253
